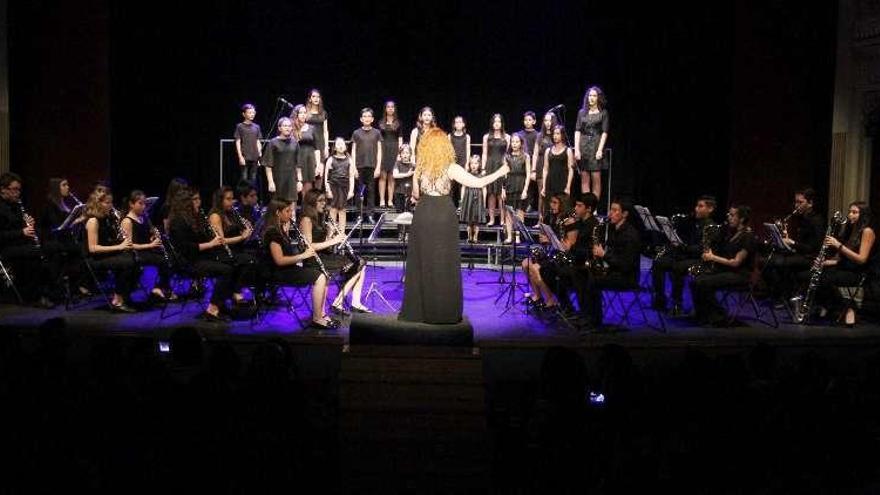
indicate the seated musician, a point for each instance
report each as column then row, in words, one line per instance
column 320, row 234
column 20, row 248
column 63, row 247
column 843, row 274
column 678, row 259
column 728, row 267
column 562, row 277
column 108, row 247
column 236, row 232
column 560, row 208
column 285, row 257
column 198, row 245
column 147, row 243
column 249, row 209
column 802, row 232
column 621, row 257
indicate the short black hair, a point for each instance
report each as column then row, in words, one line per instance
column 709, row 200
column 808, row 193
column 367, row 109
column 8, row 178
column 243, row 188
column 529, row 114
column 248, row 106
column 588, row 199
column 744, row 212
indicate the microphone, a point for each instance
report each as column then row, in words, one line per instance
column 557, row 107
column 282, row 100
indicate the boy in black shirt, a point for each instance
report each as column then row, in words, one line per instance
column 247, row 143
column 367, row 155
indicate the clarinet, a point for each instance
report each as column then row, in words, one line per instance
column 120, row 234
column 305, row 244
column 29, row 222
column 212, row 230
column 73, row 197
column 802, row 305
column 242, row 221
column 354, row 259
column 162, row 248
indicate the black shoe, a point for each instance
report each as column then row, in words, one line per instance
column 340, row 310
column 362, row 309
column 329, row 324
column 676, row 310
column 122, row 308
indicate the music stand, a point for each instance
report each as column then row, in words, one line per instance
column 776, row 236
column 149, row 202
column 75, row 213
column 374, row 287
column 668, row 230
column 523, row 231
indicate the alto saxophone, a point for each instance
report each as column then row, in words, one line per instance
column 802, row 304
column 710, row 230
column 597, row 266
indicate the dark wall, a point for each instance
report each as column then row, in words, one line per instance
column 679, row 82
column 59, row 93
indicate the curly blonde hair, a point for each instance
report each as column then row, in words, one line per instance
column 434, row 153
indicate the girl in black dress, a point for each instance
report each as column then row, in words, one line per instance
column 432, row 286
column 461, row 143
column 108, row 248
column 320, row 234
column 317, row 118
column 425, row 122
column 147, row 243
column 200, row 247
column 280, row 161
column 308, row 157
column 495, row 145
column 542, row 144
column 62, row 247
column 590, row 134
column 235, row 234
column 558, row 166
column 516, row 184
column 339, row 175
column 473, row 202
column 404, row 168
column 285, row 256
column 558, row 217
column 392, row 140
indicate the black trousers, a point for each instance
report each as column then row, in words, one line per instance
column 249, row 171
column 833, row 278
column 31, row 269
column 153, row 258
column 781, row 271
column 590, row 289
column 222, row 273
column 126, row 272
column 365, row 177
column 677, row 268
column 706, row 306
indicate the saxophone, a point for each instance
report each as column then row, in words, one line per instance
column 597, row 266
column 710, row 231
column 802, row 304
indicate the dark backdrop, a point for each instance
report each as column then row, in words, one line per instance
column 733, row 100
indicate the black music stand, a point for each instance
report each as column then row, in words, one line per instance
column 520, row 230
column 374, row 287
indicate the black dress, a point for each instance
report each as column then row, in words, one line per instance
column 281, row 157
column 305, row 159
column 557, row 173
column 544, row 142
column 459, row 144
column 473, row 208
column 432, row 289
column 516, row 181
column 293, row 275
column 496, row 149
column 338, row 180
column 390, row 144
column 316, row 120
column 333, row 263
column 591, row 127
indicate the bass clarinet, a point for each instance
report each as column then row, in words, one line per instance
column 802, row 305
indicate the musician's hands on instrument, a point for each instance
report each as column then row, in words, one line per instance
column 832, row 242
column 28, row 231
column 126, row 244
column 309, row 253
column 154, row 243
column 246, row 234
column 338, row 238
column 598, row 252
column 708, row 255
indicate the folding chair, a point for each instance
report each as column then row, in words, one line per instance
column 614, row 303
column 9, row 281
column 297, row 297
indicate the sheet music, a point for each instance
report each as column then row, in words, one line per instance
column 668, row 230
column 149, row 202
column 75, row 213
column 554, row 241
column 647, row 218
column 378, row 228
column 776, row 235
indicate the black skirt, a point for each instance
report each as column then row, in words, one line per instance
column 432, row 290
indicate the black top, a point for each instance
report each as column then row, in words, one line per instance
column 186, row 241
column 529, row 137
column 140, row 231
column 51, row 217
column 622, row 251
column 516, row 178
column 367, row 143
column 497, row 147
column 249, row 133
column 390, row 135
column 316, row 120
column 809, row 234
column 691, row 233
column 281, row 153
column 307, row 142
column 273, row 234
column 557, row 172
column 108, row 235
column 583, row 247
column 11, row 225
column 338, row 172
column 459, row 144
column 404, row 168
column 592, row 124
column 543, row 142
column 739, row 240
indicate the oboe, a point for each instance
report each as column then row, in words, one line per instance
column 307, row 245
column 216, row 234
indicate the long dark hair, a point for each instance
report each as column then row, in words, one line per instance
column 492, row 123
column 131, row 198
column 217, row 202
column 53, row 194
column 554, row 121
column 182, row 208
column 275, row 205
column 310, row 205
column 852, row 234
column 395, row 122
column 308, row 103
column 600, row 98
